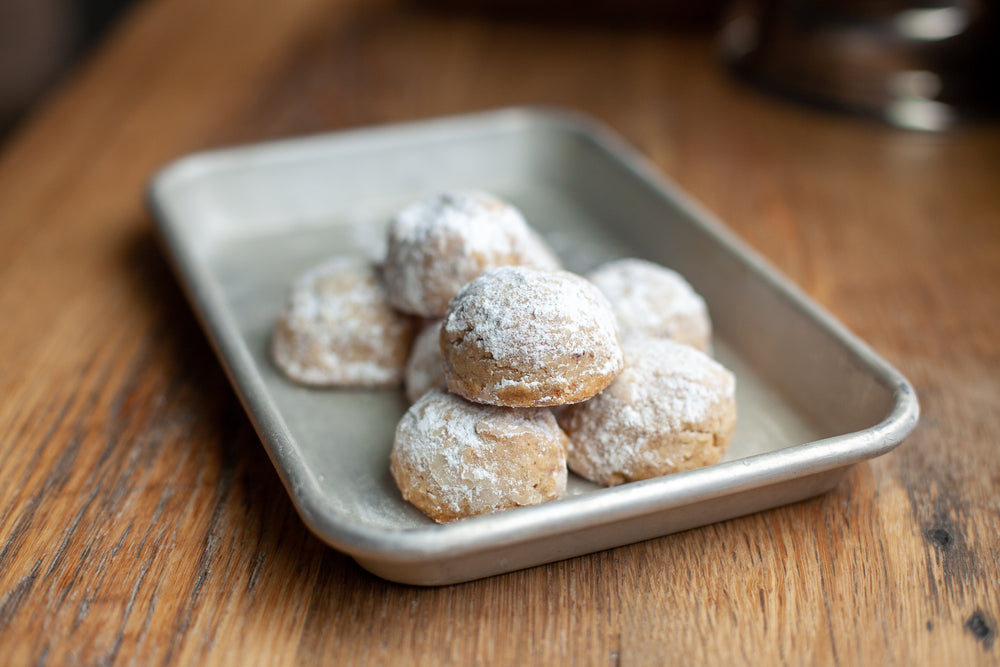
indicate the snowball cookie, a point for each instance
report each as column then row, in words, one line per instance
column 521, row 337
column 423, row 368
column 438, row 244
column 671, row 409
column 651, row 300
column 454, row 459
column 338, row 329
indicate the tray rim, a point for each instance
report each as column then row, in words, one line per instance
column 603, row 506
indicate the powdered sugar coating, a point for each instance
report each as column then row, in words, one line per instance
column 454, row 459
column 652, row 300
column 438, row 244
column 521, row 337
column 338, row 328
column 424, row 369
column 673, row 408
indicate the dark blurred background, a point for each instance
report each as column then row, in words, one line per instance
column 916, row 64
column 39, row 41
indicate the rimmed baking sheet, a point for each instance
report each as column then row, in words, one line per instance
column 239, row 224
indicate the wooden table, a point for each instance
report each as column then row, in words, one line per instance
column 140, row 520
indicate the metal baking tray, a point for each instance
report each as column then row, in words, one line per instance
column 239, row 224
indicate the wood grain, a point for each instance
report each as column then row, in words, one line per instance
column 141, row 522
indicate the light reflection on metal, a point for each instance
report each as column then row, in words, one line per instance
column 918, row 114
column 932, row 24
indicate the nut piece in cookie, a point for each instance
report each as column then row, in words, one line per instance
column 338, row 329
column 437, row 245
column 521, row 337
column 455, row 459
column 673, row 408
column 654, row 301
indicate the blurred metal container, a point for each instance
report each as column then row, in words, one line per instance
column 924, row 65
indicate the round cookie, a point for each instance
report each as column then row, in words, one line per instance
column 673, row 408
column 651, row 300
column 424, row 369
column 455, row 459
column 521, row 337
column 338, row 329
column 437, row 245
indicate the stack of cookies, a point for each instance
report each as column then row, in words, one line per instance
column 504, row 338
